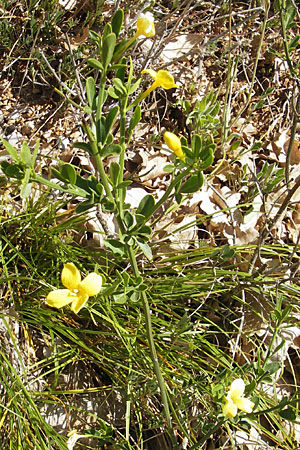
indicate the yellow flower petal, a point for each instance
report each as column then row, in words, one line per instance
column 150, row 72
column 229, row 409
column 165, row 79
column 174, row 144
column 91, row 284
column 70, row 276
column 237, row 389
column 59, row 298
column 79, row 301
column 145, row 25
column 244, row 404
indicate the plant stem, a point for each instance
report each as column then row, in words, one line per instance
column 98, row 161
column 136, row 273
column 156, row 366
column 122, row 192
column 166, row 195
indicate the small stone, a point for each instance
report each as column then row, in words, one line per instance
column 15, row 138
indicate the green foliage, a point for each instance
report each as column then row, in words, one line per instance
column 202, row 118
column 160, row 333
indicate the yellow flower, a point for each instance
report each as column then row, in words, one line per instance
column 161, row 78
column 145, row 25
column 174, row 144
column 73, row 438
column 77, row 292
column 235, row 399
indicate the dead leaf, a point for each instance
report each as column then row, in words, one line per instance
column 180, row 46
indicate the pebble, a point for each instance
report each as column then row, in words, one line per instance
column 14, row 138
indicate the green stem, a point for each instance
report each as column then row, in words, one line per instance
column 122, row 192
column 146, row 306
column 128, row 403
column 285, row 44
column 98, row 161
column 156, row 366
column 100, row 99
column 166, row 195
column 142, row 96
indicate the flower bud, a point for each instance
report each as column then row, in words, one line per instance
column 174, row 144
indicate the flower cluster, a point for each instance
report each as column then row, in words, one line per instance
column 77, row 292
column 235, row 399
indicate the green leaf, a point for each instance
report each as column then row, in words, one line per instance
column 187, row 151
column 111, row 118
column 128, row 219
column 134, row 296
column 289, row 14
column 117, row 21
column 100, row 130
column 145, row 249
column 114, row 171
column 196, row 145
column 120, row 299
column 26, row 186
column 113, row 149
column 118, row 67
column 136, row 117
column 288, row 414
column 227, row 252
column 294, row 43
column 272, row 367
column 107, row 30
column 255, row 146
column 112, row 92
column 169, row 168
column 25, row 154
column 95, row 63
column 56, row 174
column 95, row 37
column 207, row 157
column 35, row 152
column 121, row 72
column 146, row 206
column 235, row 144
column 90, row 91
column 107, row 205
column 145, row 230
column 87, row 110
column 108, row 46
column 84, row 146
column 124, row 184
column 12, row 170
column 67, row 171
column 139, row 218
column 119, row 87
column 134, row 86
column 192, row 184
column 117, row 247
column 85, row 206
column 12, row 151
